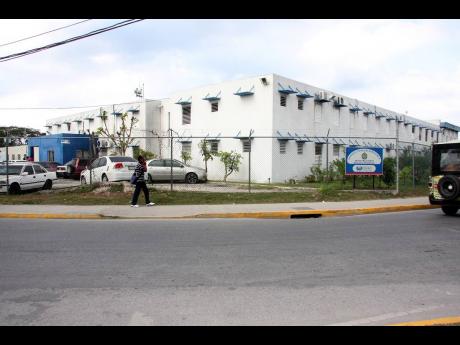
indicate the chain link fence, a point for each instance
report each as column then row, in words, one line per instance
column 249, row 163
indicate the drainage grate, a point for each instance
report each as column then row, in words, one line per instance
column 311, row 215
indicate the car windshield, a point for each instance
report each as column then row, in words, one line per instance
column 12, row 169
column 122, row 159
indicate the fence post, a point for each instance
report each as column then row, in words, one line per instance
column 413, row 165
column 250, row 149
column 7, row 164
column 171, row 141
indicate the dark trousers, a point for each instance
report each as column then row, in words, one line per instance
column 137, row 191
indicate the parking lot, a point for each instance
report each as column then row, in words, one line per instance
column 210, row 186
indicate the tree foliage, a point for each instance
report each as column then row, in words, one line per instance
column 389, row 171
column 186, row 156
column 122, row 138
column 17, row 135
column 231, row 160
column 205, row 152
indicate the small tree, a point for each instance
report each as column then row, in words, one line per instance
column 144, row 153
column 405, row 173
column 186, row 156
column 205, row 152
column 122, row 138
column 389, row 171
column 231, row 160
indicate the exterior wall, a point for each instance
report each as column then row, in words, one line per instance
column 89, row 121
column 236, row 114
column 14, row 152
column 260, row 112
column 63, row 145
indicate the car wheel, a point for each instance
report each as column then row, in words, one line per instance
column 15, row 189
column 449, row 187
column 450, row 210
column 105, row 179
column 83, row 180
column 191, row 178
column 48, row 185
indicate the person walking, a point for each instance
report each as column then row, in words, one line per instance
column 141, row 168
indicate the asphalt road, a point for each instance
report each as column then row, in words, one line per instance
column 361, row 270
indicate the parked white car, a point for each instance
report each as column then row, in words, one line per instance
column 160, row 170
column 25, row 176
column 109, row 169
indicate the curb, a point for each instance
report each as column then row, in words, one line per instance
column 259, row 215
column 316, row 213
column 445, row 321
column 52, row 216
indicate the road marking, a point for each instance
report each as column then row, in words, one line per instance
column 441, row 321
column 386, row 316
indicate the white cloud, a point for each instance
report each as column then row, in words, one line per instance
column 372, row 60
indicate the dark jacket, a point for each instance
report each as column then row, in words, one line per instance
column 139, row 171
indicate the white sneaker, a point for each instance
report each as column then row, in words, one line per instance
column 134, row 205
column 150, row 204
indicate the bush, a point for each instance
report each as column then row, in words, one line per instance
column 389, row 171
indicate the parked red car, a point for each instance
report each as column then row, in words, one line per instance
column 73, row 168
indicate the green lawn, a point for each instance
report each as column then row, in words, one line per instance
column 84, row 195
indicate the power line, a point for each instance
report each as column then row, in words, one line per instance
column 43, row 33
column 76, row 107
column 49, row 46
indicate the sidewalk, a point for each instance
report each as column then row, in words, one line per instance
column 285, row 210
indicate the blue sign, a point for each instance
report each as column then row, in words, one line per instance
column 364, row 161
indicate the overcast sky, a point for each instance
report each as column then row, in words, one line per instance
column 401, row 65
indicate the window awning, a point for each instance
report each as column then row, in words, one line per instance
column 378, row 114
column 245, row 93
column 133, row 110
column 368, row 112
column 320, row 140
column 184, row 102
column 302, row 139
column 284, row 90
column 282, row 137
column 212, row 98
column 304, row 94
column 354, row 108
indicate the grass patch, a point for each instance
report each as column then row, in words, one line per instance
column 84, row 195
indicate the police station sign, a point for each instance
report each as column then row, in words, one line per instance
column 364, row 161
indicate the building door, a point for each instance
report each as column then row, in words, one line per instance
column 36, row 154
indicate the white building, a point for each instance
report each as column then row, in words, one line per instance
column 289, row 121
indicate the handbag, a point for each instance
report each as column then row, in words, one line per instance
column 133, row 179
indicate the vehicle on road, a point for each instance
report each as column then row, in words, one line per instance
column 109, row 169
column 445, row 176
column 25, row 176
column 160, row 170
column 73, row 168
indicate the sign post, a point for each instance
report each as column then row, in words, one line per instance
column 363, row 161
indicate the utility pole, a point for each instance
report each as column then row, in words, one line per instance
column 413, row 165
column 250, row 149
column 7, row 164
column 397, row 154
column 327, row 154
column 171, row 144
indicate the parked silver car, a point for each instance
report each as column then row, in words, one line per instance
column 160, row 170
